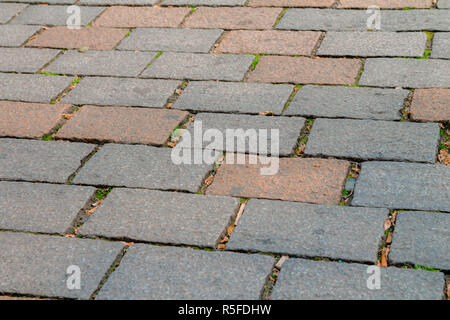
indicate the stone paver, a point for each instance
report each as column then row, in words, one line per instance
column 313, row 280
column 269, row 41
column 309, row 230
column 441, row 45
column 372, row 44
column 122, row 92
column 162, row 217
column 9, row 10
column 91, row 37
column 233, row 18
column 37, row 160
column 29, row 120
column 374, row 140
column 431, row 105
column 407, row 73
column 38, row 264
column 43, row 1
column 443, row 4
column 193, row 274
column 171, row 39
column 149, row 126
column 385, row 4
column 204, row 2
column 199, row 66
column 93, row 110
column 120, row 2
column 31, row 87
column 234, row 97
column 15, row 36
column 298, row 179
column 102, row 63
column 55, row 15
column 347, row 102
column 288, row 132
column 141, row 167
column 25, row 59
column 291, row 3
column 356, row 20
column 403, row 186
column 57, row 209
column 134, row 17
column 422, row 238
column 306, row 70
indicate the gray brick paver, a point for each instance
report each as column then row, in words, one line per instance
column 122, row 92
column 312, row 280
column 43, row 1
column 309, row 230
column 32, row 87
column 58, row 206
column 9, row 10
column 15, row 36
column 171, row 39
column 422, row 238
column 141, row 167
column 403, row 186
column 37, row 160
column 443, row 4
column 54, row 15
column 370, row 44
column 288, row 131
column 193, row 274
column 37, row 264
column 356, row 20
column 102, row 63
column 374, row 140
column 347, row 102
column 407, row 73
column 441, row 45
column 163, row 217
column 25, row 59
column 199, row 66
column 234, row 97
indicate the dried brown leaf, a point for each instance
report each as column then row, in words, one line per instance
column 209, row 180
column 387, row 224
column 384, row 257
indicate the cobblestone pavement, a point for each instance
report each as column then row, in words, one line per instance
column 92, row 205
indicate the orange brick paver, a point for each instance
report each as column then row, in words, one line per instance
column 157, row 17
column 306, row 70
column 431, row 105
column 91, row 37
column 298, row 179
column 29, row 120
column 122, row 124
column 233, row 18
column 269, row 41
